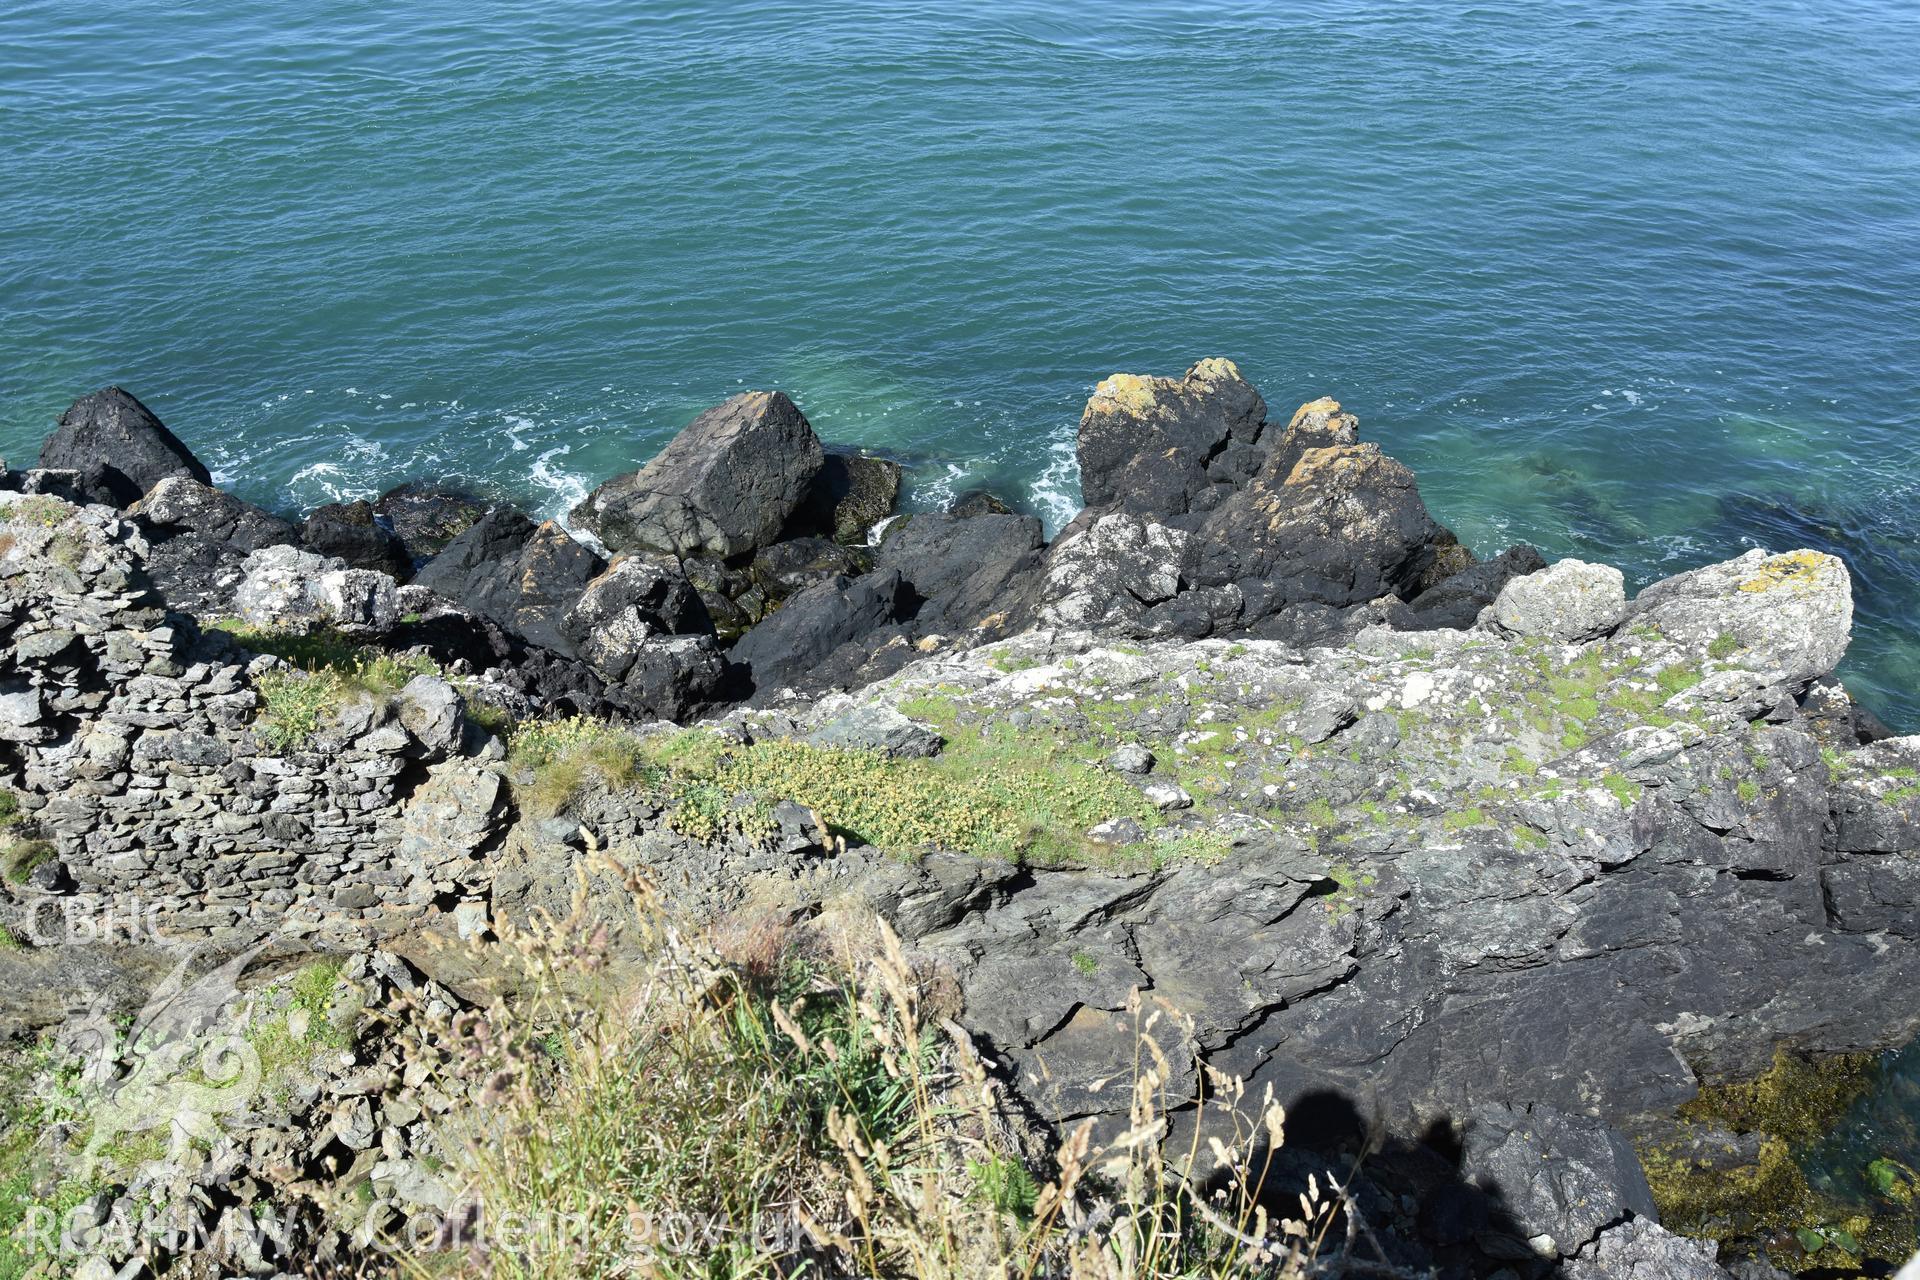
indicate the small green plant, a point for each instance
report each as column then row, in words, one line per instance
column 1464, row 819
column 294, row 704
column 1003, row 1182
column 1748, row 790
column 1625, row 790
column 1724, row 646
column 1085, row 963
column 300, row 1020
column 41, row 509
column 21, row 857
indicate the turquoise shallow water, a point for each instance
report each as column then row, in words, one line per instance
column 1634, row 282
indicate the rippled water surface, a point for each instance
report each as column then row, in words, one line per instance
column 1634, row 282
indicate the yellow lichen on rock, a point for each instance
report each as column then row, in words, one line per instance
column 1214, row 369
column 1325, row 406
column 1125, row 392
column 1795, row 570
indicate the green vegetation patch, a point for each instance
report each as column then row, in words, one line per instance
column 993, row 792
column 329, row 671
column 41, row 509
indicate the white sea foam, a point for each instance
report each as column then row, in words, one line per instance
column 515, row 424
column 567, row 488
column 937, row 493
column 1056, row 491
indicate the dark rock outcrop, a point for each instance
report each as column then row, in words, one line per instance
column 353, row 532
column 727, row 485
column 522, row 576
column 808, row 628
column 426, row 517
column 1203, row 519
column 978, row 502
column 120, row 446
column 1165, row 446
column 852, row 493
column 1326, row 519
column 962, row 567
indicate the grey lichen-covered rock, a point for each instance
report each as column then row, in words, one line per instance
column 1567, row 600
column 1110, row 573
column 1644, row 1250
column 433, row 713
column 199, row 540
column 726, row 485
column 114, row 436
column 1466, row 845
column 634, row 598
column 1790, row 614
column 1456, row 600
column 286, row 589
column 878, row 729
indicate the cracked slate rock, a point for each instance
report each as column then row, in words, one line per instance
column 726, row 485
column 1562, row 1177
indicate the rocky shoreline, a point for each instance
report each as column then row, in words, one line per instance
column 1483, row 868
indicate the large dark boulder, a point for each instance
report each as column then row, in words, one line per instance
column 121, row 442
column 725, row 486
column 1162, row 447
column 426, row 517
column 199, row 539
column 351, row 531
column 636, row 599
column 523, row 576
column 962, row 566
column 1327, row 519
column 783, row 649
column 853, row 493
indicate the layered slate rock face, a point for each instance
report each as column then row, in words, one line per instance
column 726, row 485
column 1441, row 869
column 120, row 446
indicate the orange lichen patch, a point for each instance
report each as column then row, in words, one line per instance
column 1213, row 369
column 1796, row 571
column 1127, row 393
column 1325, row 406
column 1336, row 462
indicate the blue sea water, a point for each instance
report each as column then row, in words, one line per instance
column 1635, row 282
